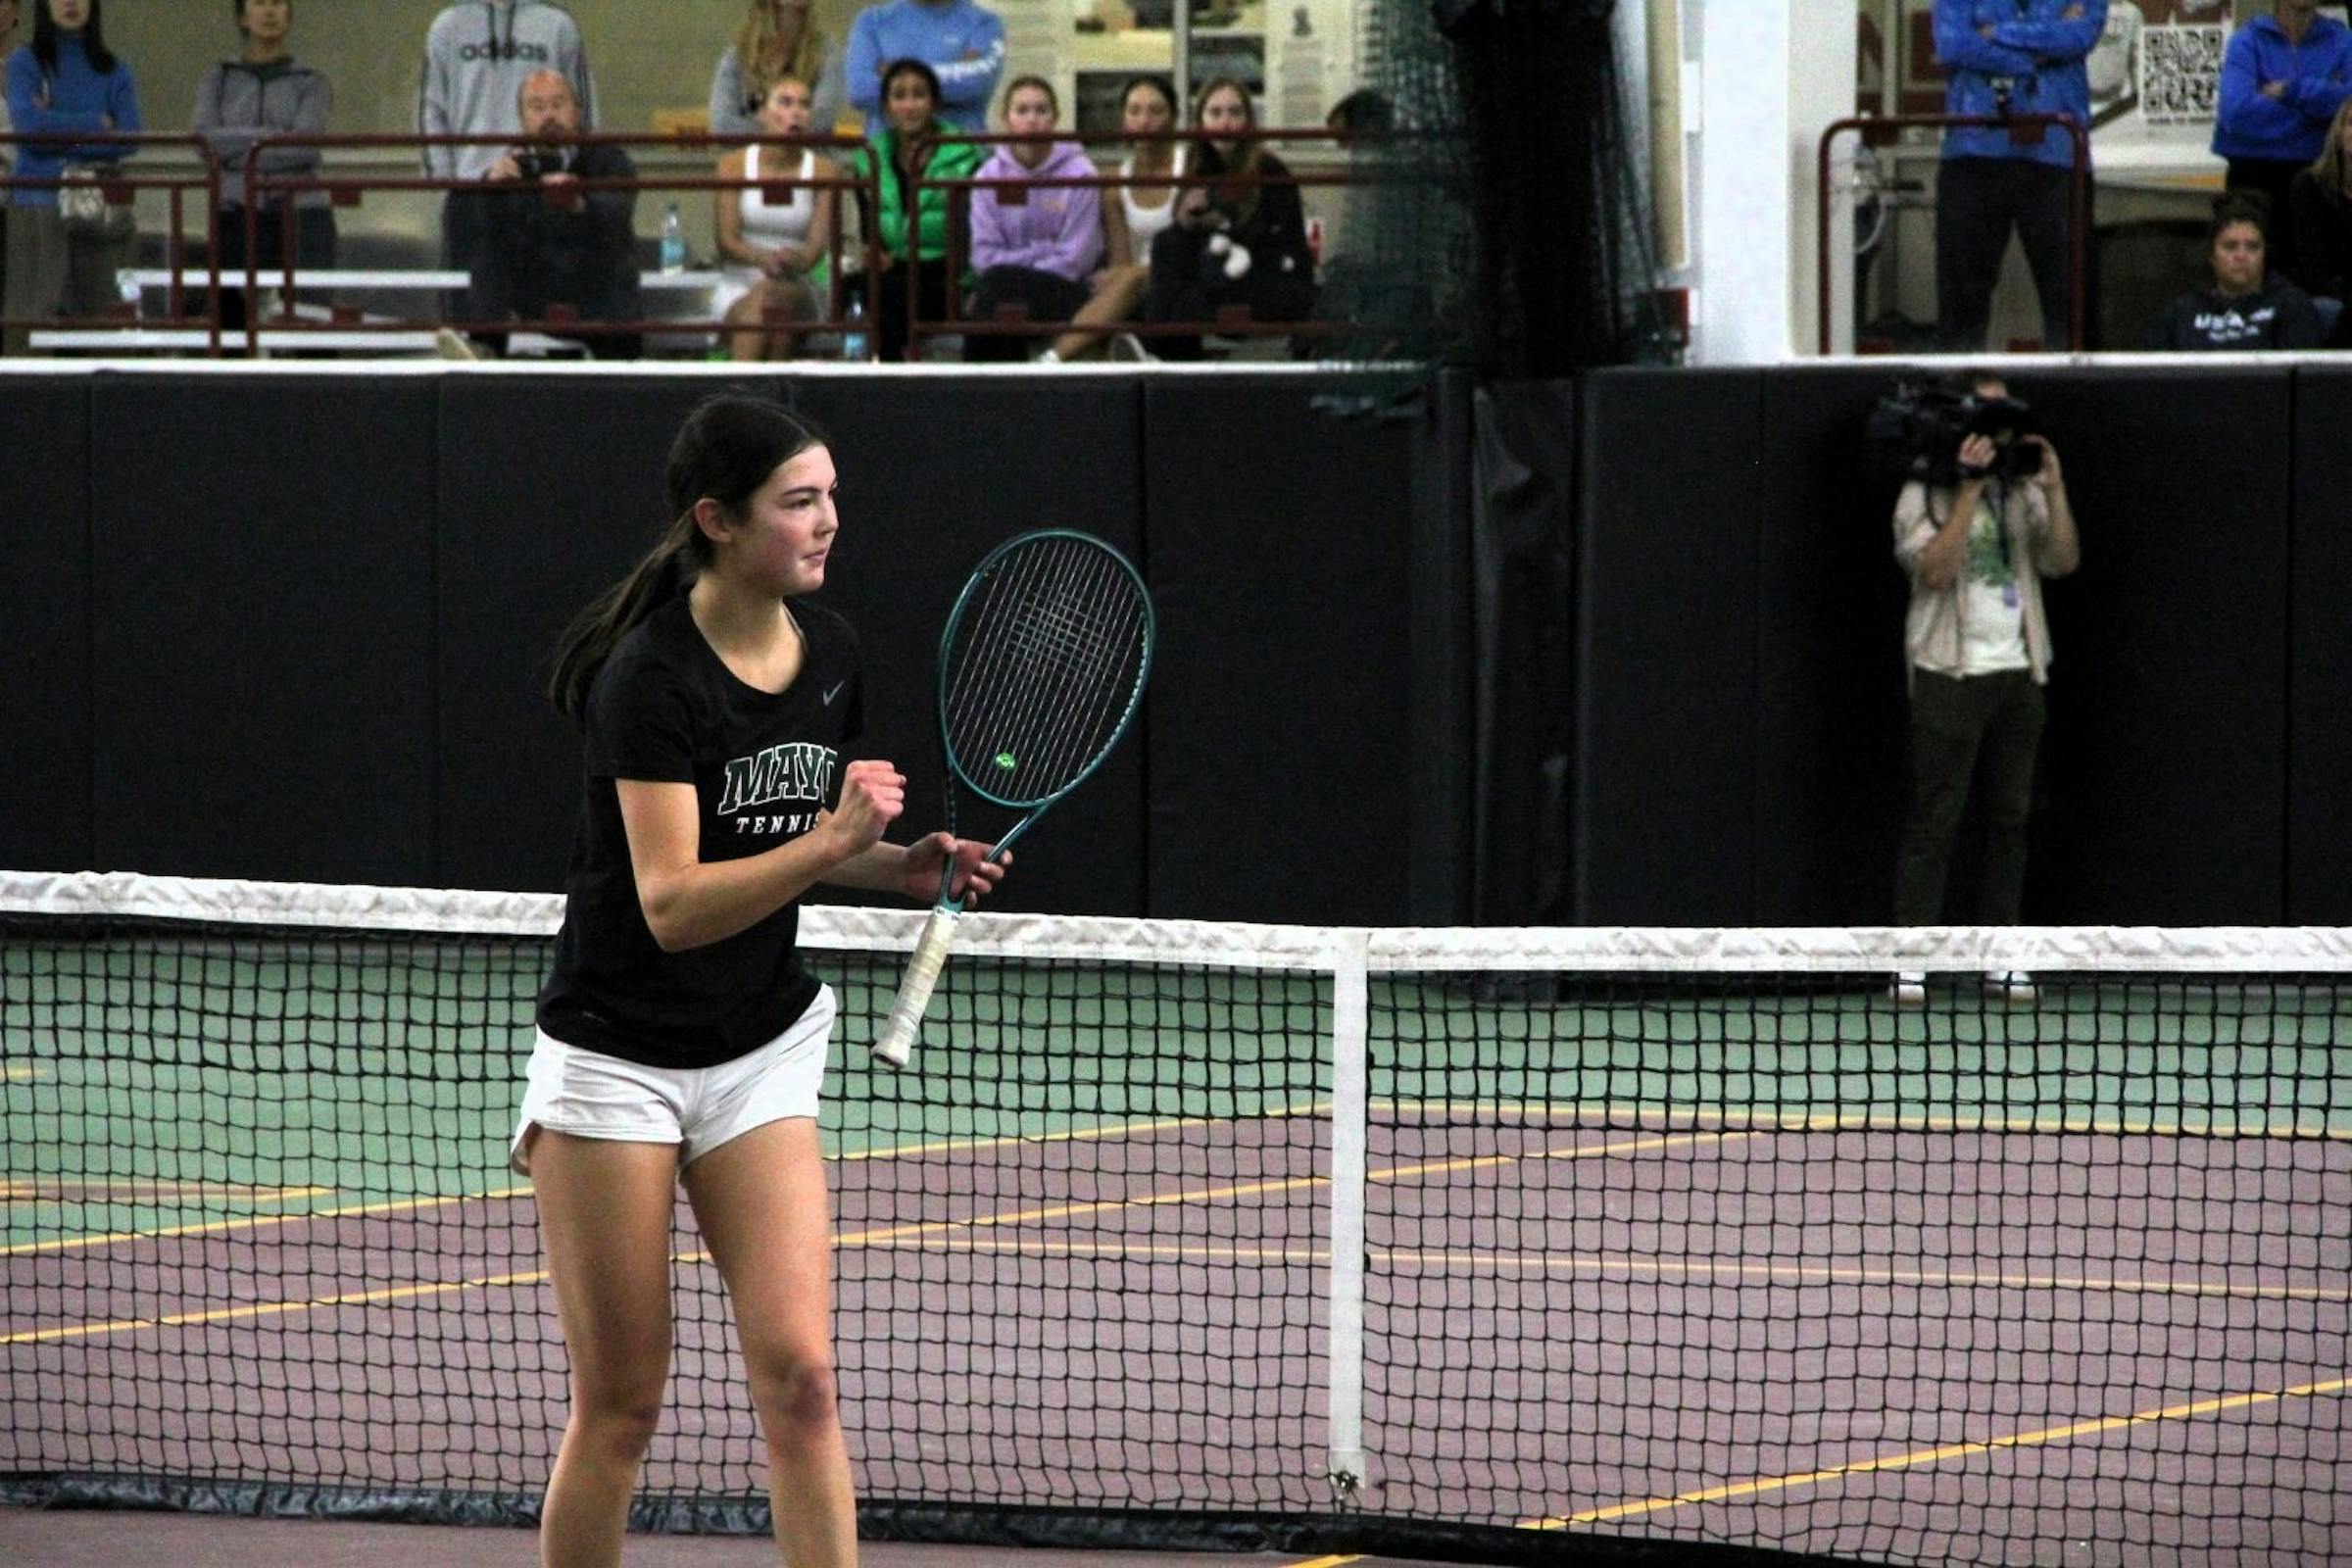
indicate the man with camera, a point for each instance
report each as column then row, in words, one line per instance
column 548, row 246
column 2009, row 59
column 1983, row 521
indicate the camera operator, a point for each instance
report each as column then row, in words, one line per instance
column 2008, row 58
column 547, row 243
column 1977, row 531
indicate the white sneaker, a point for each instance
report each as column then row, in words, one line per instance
column 1127, row 346
column 450, row 346
column 1909, row 989
column 2013, row 985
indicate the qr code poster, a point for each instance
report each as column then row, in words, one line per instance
column 2181, row 73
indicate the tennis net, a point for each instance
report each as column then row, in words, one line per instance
column 1502, row 1245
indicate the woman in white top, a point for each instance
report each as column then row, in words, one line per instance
column 774, row 242
column 1132, row 216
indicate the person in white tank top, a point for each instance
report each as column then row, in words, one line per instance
column 1133, row 214
column 775, row 250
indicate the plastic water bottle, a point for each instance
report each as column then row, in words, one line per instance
column 674, row 241
column 853, row 332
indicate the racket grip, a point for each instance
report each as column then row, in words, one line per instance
column 896, row 1043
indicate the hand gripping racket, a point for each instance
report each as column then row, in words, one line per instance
column 1041, row 671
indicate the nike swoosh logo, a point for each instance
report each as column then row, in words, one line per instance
column 834, row 690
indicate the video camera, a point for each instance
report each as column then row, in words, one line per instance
column 1919, row 427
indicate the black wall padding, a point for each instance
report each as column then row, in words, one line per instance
column 1443, row 664
column 1666, row 566
column 550, row 490
column 2319, row 671
column 1280, row 538
column 1831, row 714
column 1524, row 495
column 935, row 471
column 2165, row 763
column 263, row 621
column 45, row 652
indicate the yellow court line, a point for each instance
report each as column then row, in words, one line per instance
column 1936, row 1456
column 128, row 1190
column 1327, row 1562
column 1636, row 1115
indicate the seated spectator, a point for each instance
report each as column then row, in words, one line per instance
column 2245, row 309
column 776, row 41
column 964, row 44
column 2321, row 199
column 1133, row 216
column 1044, row 252
column 777, row 247
column 2283, row 76
column 1238, row 238
column 8, row 41
column 911, row 231
column 476, row 55
column 62, row 257
column 1364, row 112
column 238, row 103
column 547, row 245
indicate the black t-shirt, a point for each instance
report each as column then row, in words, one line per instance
column 665, row 709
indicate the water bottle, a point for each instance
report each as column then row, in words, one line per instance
column 674, row 241
column 853, row 332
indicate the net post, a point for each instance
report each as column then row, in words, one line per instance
column 1350, row 1027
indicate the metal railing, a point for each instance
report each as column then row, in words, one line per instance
column 1879, row 130
column 120, row 188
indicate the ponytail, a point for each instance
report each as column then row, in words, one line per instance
column 668, row 570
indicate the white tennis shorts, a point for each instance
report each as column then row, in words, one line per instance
column 590, row 1095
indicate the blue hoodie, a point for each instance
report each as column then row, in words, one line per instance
column 2038, row 47
column 79, row 100
column 2251, row 123
column 960, row 40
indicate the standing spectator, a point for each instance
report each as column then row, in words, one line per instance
column 67, row 82
column 238, row 103
column 1043, row 252
column 777, row 247
column 2282, row 80
column 911, row 231
column 776, row 41
column 961, row 42
column 2322, row 199
column 549, row 244
column 1240, row 235
column 2246, row 308
column 476, row 55
column 2008, row 57
column 1976, row 543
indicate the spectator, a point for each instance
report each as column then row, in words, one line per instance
column 1976, row 540
column 777, row 247
column 1133, row 216
column 67, row 82
column 1239, row 234
column 1364, row 112
column 549, row 244
column 2320, row 197
column 8, row 41
column 2246, row 308
column 961, row 42
column 776, row 41
column 1045, row 252
column 2008, row 57
column 2284, row 77
column 911, row 231
column 238, row 103
column 476, row 55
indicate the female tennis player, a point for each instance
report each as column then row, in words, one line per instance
column 679, row 1036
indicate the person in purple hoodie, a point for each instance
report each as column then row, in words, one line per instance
column 65, row 81
column 1045, row 252
column 2284, row 77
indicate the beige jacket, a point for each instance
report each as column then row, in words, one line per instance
column 1932, row 635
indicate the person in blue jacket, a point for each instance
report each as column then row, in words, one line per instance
column 65, row 81
column 2282, row 79
column 961, row 42
column 2008, row 57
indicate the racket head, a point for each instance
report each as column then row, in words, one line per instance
column 1042, row 666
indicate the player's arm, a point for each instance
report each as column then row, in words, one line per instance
column 691, row 902
column 912, row 870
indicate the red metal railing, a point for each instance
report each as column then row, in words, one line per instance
column 1878, row 130
column 118, row 188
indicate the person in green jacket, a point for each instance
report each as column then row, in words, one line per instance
column 909, row 234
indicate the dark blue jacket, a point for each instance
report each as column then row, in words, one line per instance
column 2251, row 123
column 2035, row 52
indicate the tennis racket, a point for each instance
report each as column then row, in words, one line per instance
column 1041, row 671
